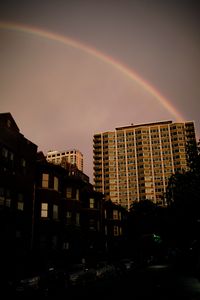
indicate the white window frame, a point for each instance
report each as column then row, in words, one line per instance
column 92, row 203
column 45, row 180
column 44, row 210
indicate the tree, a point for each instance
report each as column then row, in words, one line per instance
column 143, row 207
column 183, row 191
column 183, row 196
column 142, row 218
column 193, row 156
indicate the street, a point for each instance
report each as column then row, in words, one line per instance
column 156, row 282
column 159, row 281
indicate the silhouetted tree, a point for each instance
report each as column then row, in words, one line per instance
column 141, row 220
column 147, row 228
column 183, row 191
column 193, row 156
column 183, row 196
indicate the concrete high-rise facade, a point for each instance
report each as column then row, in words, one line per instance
column 73, row 157
column 134, row 163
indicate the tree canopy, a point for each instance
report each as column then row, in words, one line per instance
column 183, row 192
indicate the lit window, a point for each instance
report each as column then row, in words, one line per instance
column 20, row 203
column 20, row 206
column 91, row 203
column 45, row 180
column 69, row 192
column 44, row 210
column 115, row 214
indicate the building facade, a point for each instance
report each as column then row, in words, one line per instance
column 73, row 156
column 115, row 229
column 71, row 218
column 17, row 173
column 57, row 212
column 49, row 213
column 134, row 162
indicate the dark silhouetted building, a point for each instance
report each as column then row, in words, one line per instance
column 17, row 171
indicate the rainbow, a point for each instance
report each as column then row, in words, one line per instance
column 97, row 54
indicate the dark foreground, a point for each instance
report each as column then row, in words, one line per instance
column 159, row 281
column 154, row 282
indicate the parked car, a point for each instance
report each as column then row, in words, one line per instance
column 27, row 285
column 52, row 280
column 128, row 264
column 79, row 274
column 105, row 270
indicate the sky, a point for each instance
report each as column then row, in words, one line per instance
column 71, row 69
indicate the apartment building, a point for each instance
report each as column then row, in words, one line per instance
column 17, row 173
column 73, row 157
column 49, row 214
column 134, row 162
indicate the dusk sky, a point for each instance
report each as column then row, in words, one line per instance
column 70, row 69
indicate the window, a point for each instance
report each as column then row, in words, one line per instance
column 20, row 206
column 91, row 203
column 9, row 123
column 23, row 162
column 4, row 152
column 92, row 224
column 106, row 230
column 2, row 197
column 54, row 241
column 116, row 231
column 8, row 199
column 55, row 183
column 115, row 214
column 69, row 192
column 78, row 219
column 45, row 180
column 55, row 212
column 8, row 203
column 66, row 245
column 44, row 210
column 69, row 217
column 20, row 203
column 77, row 194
